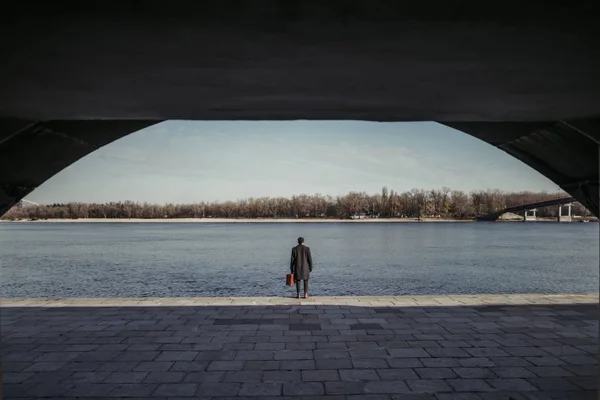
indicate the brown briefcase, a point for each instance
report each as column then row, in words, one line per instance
column 289, row 279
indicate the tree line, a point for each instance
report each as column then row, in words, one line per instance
column 443, row 203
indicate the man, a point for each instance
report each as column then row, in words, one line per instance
column 301, row 266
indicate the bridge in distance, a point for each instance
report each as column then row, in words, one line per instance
column 527, row 207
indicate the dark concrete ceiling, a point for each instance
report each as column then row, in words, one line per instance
column 520, row 75
column 369, row 60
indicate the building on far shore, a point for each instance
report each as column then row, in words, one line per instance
column 364, row 216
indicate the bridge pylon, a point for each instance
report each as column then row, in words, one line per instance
column 527, row 217
column 564, row 218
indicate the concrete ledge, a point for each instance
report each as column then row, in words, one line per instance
column 404, row 301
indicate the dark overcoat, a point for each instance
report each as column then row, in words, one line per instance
column 301, row 264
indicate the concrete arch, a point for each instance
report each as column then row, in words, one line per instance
column 31, row 153
column 75, row 77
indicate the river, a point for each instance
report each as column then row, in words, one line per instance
column 201, row 259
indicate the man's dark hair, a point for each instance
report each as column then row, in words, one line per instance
column 300, row 240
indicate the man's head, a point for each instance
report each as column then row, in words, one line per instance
column 300, row 240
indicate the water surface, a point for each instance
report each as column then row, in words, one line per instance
column 197, row 259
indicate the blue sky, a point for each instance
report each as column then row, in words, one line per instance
column 192, row 161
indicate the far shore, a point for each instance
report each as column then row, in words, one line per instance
column 260, row 220
column 238, row 220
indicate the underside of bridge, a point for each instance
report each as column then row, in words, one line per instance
column 522, row 76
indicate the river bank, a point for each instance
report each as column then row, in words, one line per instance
column 237, row 220
column 264, row 220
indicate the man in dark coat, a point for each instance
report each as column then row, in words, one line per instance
column 301, row 266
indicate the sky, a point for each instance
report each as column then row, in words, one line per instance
column 195, row 161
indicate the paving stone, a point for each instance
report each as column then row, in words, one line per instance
column 409, row 353
column 305, row 327
column 470, row 373
column 483, row 343
column 126, row 377
column 110, row 366
column 469, row 385
column 146, row 347
column 365, row 326
column 461, row 396
column 564, row 350
column 49, row 376
column 91, row 389
column 189, row 366
column 395, row 374
column 345, row 388
column 164, row 377
column 333, row 364
column 443, row 352
column 582, row 370
column 269, row 346
column 261, row 389
column 550, row 371
column 476, row 362
column 242, row 321
column 434, row 373
column 300, row 346
column 115, row 347
column 42, row 390
column 453, row 343
column 438, row 362
column 54, row 356
column 513, row 384
column 282, row 376
column 423, row 343
column 136, row 356
column 210, row 389
column 294, row 355
column 133, row 390
column 243, row 376
column 176, row 389
column 254, row 355
column 358, row 375
column 215, row 356
column 524, row 351
column 15, row 377
column 320, row 376
column 512, row 372
column 552, row 384
column 44, row 366
column 303, row 389
column 369, row 354
column 149, row 366
column 261, row 365
column 487, row 352
column 330, row 354
column 509, row 362
column 177, row 356
column 545, row 361
column 386, row 387
column 295, row 365
column 205, row 377
column 579, row 360
column 428, row 386
column 225, row 366
column 585, row 382
column 372, row 363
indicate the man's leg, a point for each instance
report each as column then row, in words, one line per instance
column 298, row 289
column 306, row 288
